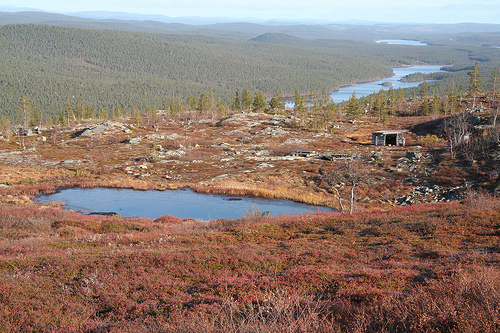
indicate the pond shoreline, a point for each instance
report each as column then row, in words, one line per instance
column 182, row 203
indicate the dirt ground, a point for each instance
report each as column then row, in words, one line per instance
column 245, row 153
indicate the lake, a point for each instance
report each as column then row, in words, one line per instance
column 367, row 88
column 401, row 42
column 182, row 203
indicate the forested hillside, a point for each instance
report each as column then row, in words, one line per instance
column 49, row 64
column 106, row 68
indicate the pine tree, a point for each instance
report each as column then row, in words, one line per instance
column 204, row 104
column 246, row 99
column 60, row 119
column 494, row 85
column 400, row 96
column 68, row 112
column 236, row 105
column 299, row 102
column 103, row 114
column 382, row 105
column 391, row 101
column 193, row 102
column 259, row 103
column 118, row 111
column 494, row 81
column 36, row 116
column 136, row 115
column 276, row 104
column 423, row 89
column 300, row 108
column 221, row 108
column 452, row 98
column 166, row 107
column 172, row 108
column 89, row 113
column 79, row 111
column 354, row 110
column 5, row 126
column 179, row 107
column 474, row 82
column 25, row 108
column 325, row 98
column 313, row 99
column 425, row 107
column 331, row 110
column 436, row 104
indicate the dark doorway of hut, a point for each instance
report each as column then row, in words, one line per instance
column 391, row 140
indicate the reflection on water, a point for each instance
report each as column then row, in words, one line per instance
column 183, row 203
column 365, row 89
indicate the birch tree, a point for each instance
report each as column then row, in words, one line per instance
column 344, row 179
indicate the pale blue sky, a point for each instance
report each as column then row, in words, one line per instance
column 425, row 11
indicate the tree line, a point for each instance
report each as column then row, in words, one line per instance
column 315, row 111
column 104, row 68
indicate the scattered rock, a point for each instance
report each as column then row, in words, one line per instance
column 431, row 193
column 413, row 155
column 273, row 131
column 102, row 128
column 377, row 156
column 264, row 165
column 133, row 141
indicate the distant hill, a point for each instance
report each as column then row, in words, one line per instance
column 244, row 30
column 280, row 38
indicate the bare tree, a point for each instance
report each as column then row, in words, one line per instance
column 458, row 129
column 344, row 179
column 474, row 82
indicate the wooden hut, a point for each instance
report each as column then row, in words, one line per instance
column 388, row 138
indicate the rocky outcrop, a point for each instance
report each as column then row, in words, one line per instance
column 431, row 193
column 102, row 128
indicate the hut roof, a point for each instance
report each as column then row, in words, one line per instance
column 389, row 132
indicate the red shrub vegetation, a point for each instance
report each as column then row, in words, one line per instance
column 420, row 268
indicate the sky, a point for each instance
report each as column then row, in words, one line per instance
column 415, row 11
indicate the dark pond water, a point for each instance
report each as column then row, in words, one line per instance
column 183, row 203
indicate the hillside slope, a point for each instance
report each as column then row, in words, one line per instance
column 49, row 64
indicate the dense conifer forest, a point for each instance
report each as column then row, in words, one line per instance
column 106, row 69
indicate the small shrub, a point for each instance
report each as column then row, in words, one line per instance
column 194, row 154
column 432, row 141
column 256, row 213
column 171, row 144
column 168, row 219
column 425, row 228
column 283, row 149
column 482, row 200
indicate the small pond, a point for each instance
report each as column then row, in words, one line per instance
column 182, row 203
